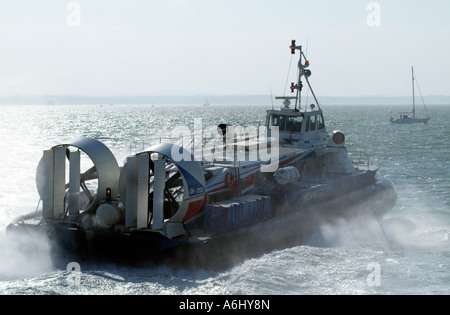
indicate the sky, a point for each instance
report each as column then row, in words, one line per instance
column 222, row 47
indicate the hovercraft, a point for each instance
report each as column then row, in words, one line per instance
column 203, row 200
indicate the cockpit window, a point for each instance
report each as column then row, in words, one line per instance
column 310, row 123
column 277, row 120
column 312, row 126
column 294, row 123
column 320, row 123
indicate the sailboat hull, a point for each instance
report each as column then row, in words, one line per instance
column 404, row 121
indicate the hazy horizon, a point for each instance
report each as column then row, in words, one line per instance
column 266, row 100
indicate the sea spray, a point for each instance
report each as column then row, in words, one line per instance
column 23, row 256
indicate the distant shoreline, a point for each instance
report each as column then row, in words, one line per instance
column 213, row 99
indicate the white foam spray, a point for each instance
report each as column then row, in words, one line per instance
column 23, row 256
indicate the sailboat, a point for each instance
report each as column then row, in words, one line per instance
column 410, row 117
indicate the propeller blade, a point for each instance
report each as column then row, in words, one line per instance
column 174, row 181
column 87, row 191
column 90, row 174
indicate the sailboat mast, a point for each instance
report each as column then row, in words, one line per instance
column 414, row 98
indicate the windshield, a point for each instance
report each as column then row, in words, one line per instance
column 277, row 120
column 286, row 123
column 294, row 123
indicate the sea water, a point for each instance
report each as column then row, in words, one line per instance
column 414, row 259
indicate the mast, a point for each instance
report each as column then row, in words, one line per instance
column 299, row 84
column 414, row 98
column 298, row 99
column 302, row 72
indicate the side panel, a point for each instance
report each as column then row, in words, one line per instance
column 59, row 182
column 131, row 193
column 74, row 185
column 158, row 195
column 45, row 181
column 142, row 191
